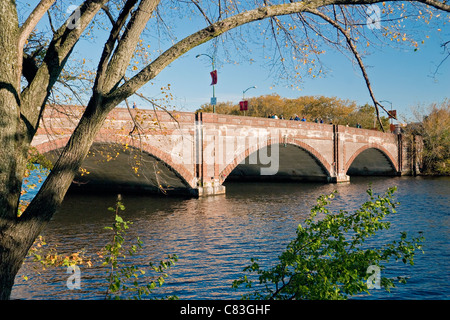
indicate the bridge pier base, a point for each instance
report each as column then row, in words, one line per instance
column 210, row 189
column 339, row 179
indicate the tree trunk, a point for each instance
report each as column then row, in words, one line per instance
column 53, row 190
column 16, row 239
column 18, row 234
column 11, row 158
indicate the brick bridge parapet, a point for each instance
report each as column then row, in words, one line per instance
column 204, row 149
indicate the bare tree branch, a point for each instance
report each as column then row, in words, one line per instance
column 125, row 49
column 35, row 95
column 195, row 2
column 108, row 14
column 358, row 59
column 437, row 4
column 33, row 19
column 202, row 36
column 113, row 37
column 29, row 25
column 446, row 48
column 50, row 22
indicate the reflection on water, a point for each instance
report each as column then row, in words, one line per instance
column 215, row 237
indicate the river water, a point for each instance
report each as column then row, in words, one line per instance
column 215, row 237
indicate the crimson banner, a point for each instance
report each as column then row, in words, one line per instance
column 392, row 114
column 214, row 77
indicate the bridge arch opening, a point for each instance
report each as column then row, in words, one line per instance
column 118, row 167
column 371, row 161
column 278, row 162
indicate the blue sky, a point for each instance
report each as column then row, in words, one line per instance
column 402, row 76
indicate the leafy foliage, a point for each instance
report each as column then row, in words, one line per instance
column 40, row 166
column 434, row 128
column 329, row 258
column 48, row 256
column 124, row 278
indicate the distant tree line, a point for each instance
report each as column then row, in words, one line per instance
column 433, row 125
column 313, row 108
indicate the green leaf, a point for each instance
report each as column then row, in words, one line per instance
column 324, row 261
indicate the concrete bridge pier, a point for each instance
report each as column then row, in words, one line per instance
column 210, row 188
column 339, row 179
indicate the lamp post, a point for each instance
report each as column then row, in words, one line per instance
column 213, row 100
column 391, row 116
column 243, row 94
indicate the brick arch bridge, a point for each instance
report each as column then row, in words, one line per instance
column 193, row 153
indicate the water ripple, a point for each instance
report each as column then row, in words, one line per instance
column 215, row 237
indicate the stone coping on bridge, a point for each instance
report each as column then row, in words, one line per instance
column 121, row 113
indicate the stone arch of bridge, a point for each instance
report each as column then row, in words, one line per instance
column 178, row 170
column 324, row 165
column 383, row 151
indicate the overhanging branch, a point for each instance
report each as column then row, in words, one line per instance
column 220, row 27
column 29, row 25
column 200, row 37
column 35, row 95
column 355, row 52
